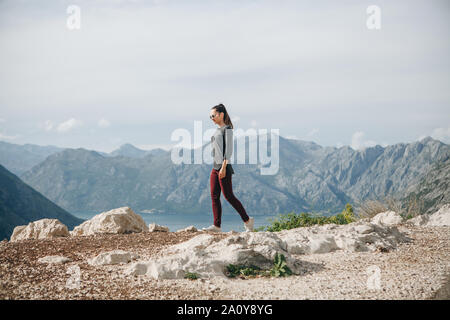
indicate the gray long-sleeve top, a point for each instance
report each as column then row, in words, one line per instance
column 217, row 147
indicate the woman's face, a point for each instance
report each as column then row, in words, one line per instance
column 215, row 116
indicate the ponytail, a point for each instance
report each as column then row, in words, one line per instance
column 226, row 117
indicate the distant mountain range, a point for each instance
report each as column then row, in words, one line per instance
column 21, row 204
column 310, row 178
column 128, row 150
column 433, row 188
column 20, row 158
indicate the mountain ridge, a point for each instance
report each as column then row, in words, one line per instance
column 21, row 204
column 309, row 178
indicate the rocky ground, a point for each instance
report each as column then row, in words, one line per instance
column 418, row 269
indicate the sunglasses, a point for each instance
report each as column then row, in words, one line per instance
column 213, row 116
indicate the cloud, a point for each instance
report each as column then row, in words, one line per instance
column 312, row 132
column 421, row 137
column 166, row 147
column 6, row 137
column 68, row 125
column 48, row 125
column 358, row 143
column 272, row 61
column 442, row 134
column 103, row 123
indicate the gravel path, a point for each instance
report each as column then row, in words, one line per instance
column 416, row 270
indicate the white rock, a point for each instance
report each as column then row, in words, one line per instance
column 113, row 257
column 153, row 227
column 364, row 228
column 347, row 243
column 356, row 236
column 296, row 240
column 53, row 259
column 420, row 220
column 137, row 269
column 196, row 243
column 188, row 229
column 440, row 217
column 208, row 256
column 387, row 218
column 40, row 229
column 321, row 244
column 330, row 226
column 120, row 220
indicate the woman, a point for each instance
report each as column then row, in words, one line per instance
column 220, row 178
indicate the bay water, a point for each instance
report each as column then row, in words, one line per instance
column 176, row 221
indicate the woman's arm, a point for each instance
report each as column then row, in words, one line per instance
column 223, row 170
column 228, row 144
column 228, row 134
column 224, row 163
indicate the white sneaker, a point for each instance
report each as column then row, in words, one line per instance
column 212, row 228
column 249, row 224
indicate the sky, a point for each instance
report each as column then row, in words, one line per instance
column 135, row 71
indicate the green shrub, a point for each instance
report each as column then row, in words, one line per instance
column 348, row 213
column 191, row 276
column 345, row 217
column 292, row 220
column 233, row 271
column 279, row 269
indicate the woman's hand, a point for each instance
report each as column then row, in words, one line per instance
column 222, row 172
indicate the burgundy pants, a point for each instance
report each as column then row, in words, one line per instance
column 224, row 185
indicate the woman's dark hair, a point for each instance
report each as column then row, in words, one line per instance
column 226, row 117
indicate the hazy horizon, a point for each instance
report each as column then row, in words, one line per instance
column 137, row 70
column 168, row 148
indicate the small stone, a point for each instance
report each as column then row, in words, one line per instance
column 188, row 229
column 54, row 260
column 113, row 257
column 153, row 227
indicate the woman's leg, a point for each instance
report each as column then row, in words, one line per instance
column 215, row 197
column 227, row 190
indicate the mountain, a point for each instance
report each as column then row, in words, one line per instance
column 21, row 204
column 20, row 158
column 434, row 188
column 128, row 150
column 310, row 178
